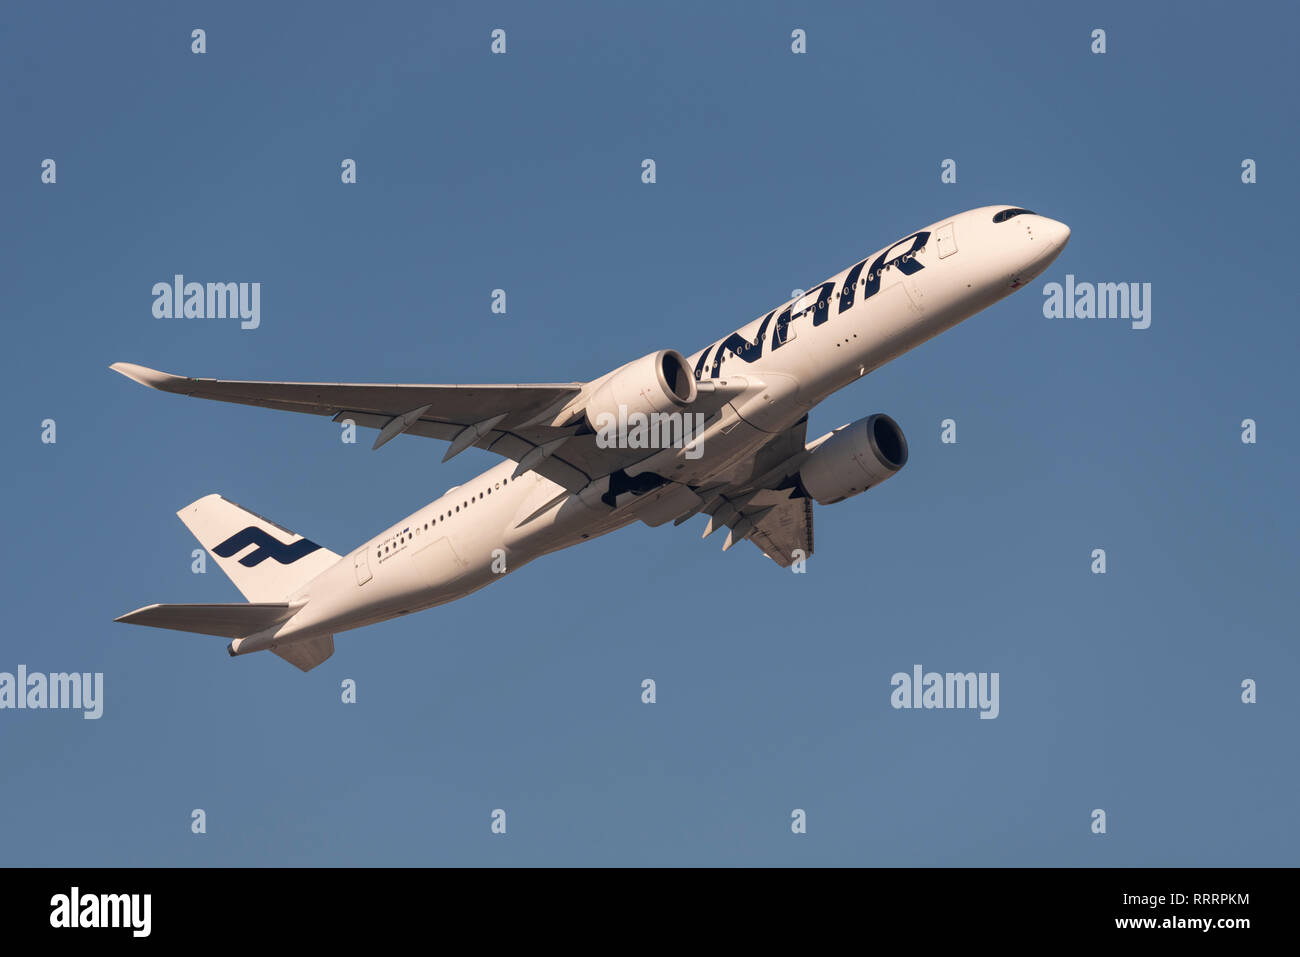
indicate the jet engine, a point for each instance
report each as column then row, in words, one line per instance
column 853, row 459
column 660, row 382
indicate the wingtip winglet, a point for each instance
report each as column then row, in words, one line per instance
column 127, row 618
column 145, row 376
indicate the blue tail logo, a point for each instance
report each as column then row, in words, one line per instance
column 267, row 547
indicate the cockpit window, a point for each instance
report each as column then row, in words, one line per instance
column 1002, row 215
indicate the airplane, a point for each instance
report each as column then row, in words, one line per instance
column 569, row 476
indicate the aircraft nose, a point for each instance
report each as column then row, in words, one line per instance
column 1057, row 234
column 1046, row 238
column 1039, row 242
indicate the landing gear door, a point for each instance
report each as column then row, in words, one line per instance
column 945, row 241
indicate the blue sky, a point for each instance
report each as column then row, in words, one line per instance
column 775, row 170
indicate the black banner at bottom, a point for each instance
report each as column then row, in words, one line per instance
column 364, row 906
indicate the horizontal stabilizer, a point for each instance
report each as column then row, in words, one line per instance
column 225, row 621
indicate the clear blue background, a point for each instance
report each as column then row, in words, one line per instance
column 522, row 171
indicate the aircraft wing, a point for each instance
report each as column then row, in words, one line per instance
column 516, row 421
column 761, row 509
column 779, row 525
column 785, row 531
column 510, row 420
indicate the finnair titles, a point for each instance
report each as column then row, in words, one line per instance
column 749, row 467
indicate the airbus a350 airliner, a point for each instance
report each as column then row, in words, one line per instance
column 748, row 466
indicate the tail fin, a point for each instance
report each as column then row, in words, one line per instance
column 266, row 562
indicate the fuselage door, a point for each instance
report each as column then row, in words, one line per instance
column 361, row 563
column 945, row 241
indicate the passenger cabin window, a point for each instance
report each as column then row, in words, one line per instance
column 1002, row 215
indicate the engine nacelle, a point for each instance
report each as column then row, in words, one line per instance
column 660, row 382
column 854, row 458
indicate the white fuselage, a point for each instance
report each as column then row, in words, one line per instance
column 791, row 359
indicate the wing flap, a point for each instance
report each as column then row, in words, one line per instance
column 785, row 530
